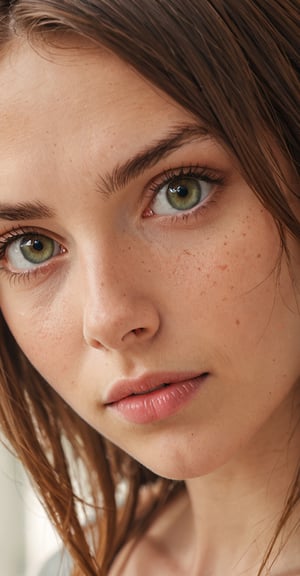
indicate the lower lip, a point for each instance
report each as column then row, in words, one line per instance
column 159, row 404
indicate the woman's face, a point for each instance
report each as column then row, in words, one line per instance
column 134, row 254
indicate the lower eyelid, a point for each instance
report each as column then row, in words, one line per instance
column 31, row 275
column 188, row 217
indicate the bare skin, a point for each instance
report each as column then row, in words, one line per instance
column 224, row 523
column 133, row 286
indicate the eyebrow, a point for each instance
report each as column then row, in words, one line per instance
column 148, row 157
column 25, row 211
column 120, row 176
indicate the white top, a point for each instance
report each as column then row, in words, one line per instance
column 58, row 565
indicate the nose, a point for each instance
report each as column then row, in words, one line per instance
column 119, row 312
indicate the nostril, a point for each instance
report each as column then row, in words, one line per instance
column 138, row 331
column 135, row 334
column 94, row 343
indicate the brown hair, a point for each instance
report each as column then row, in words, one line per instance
column 235, row 66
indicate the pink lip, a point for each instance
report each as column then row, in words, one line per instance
column 145, row 399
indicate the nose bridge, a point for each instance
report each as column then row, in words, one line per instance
column 117, row 307
column 107, row 271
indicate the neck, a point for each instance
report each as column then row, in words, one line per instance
column 235, row 511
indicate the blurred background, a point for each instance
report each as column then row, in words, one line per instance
column 27, row 539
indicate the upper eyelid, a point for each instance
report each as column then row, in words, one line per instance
column 11, row 236
column 16, row 232
column 200, row 171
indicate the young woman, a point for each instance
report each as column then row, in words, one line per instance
column 150, row 278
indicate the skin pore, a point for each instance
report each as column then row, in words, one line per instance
column 132, row 285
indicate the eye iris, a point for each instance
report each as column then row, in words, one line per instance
column 184, row 193
column 37, row 249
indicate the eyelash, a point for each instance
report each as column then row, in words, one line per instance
column 14, row 277
column 195, row 171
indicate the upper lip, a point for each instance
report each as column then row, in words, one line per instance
column 148, row 382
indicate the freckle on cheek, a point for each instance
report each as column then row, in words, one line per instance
column 237, row 322
column 222, row 267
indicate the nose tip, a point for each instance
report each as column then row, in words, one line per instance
column 121, row 328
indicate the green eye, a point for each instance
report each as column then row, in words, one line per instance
column 181, row 194
column 30, row 251
column 37, row 249
column 184, row 193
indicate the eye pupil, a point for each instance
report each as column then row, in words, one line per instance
column 180, row 190
column 184, row 193
column 37, row 245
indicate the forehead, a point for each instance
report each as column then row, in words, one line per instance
column 71, row 105
column 43, row 90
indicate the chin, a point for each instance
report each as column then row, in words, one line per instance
column 181, row 469
column 187, row 460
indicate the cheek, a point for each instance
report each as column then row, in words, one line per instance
column 222, row 276
column 238, row 296
column 43, row 332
